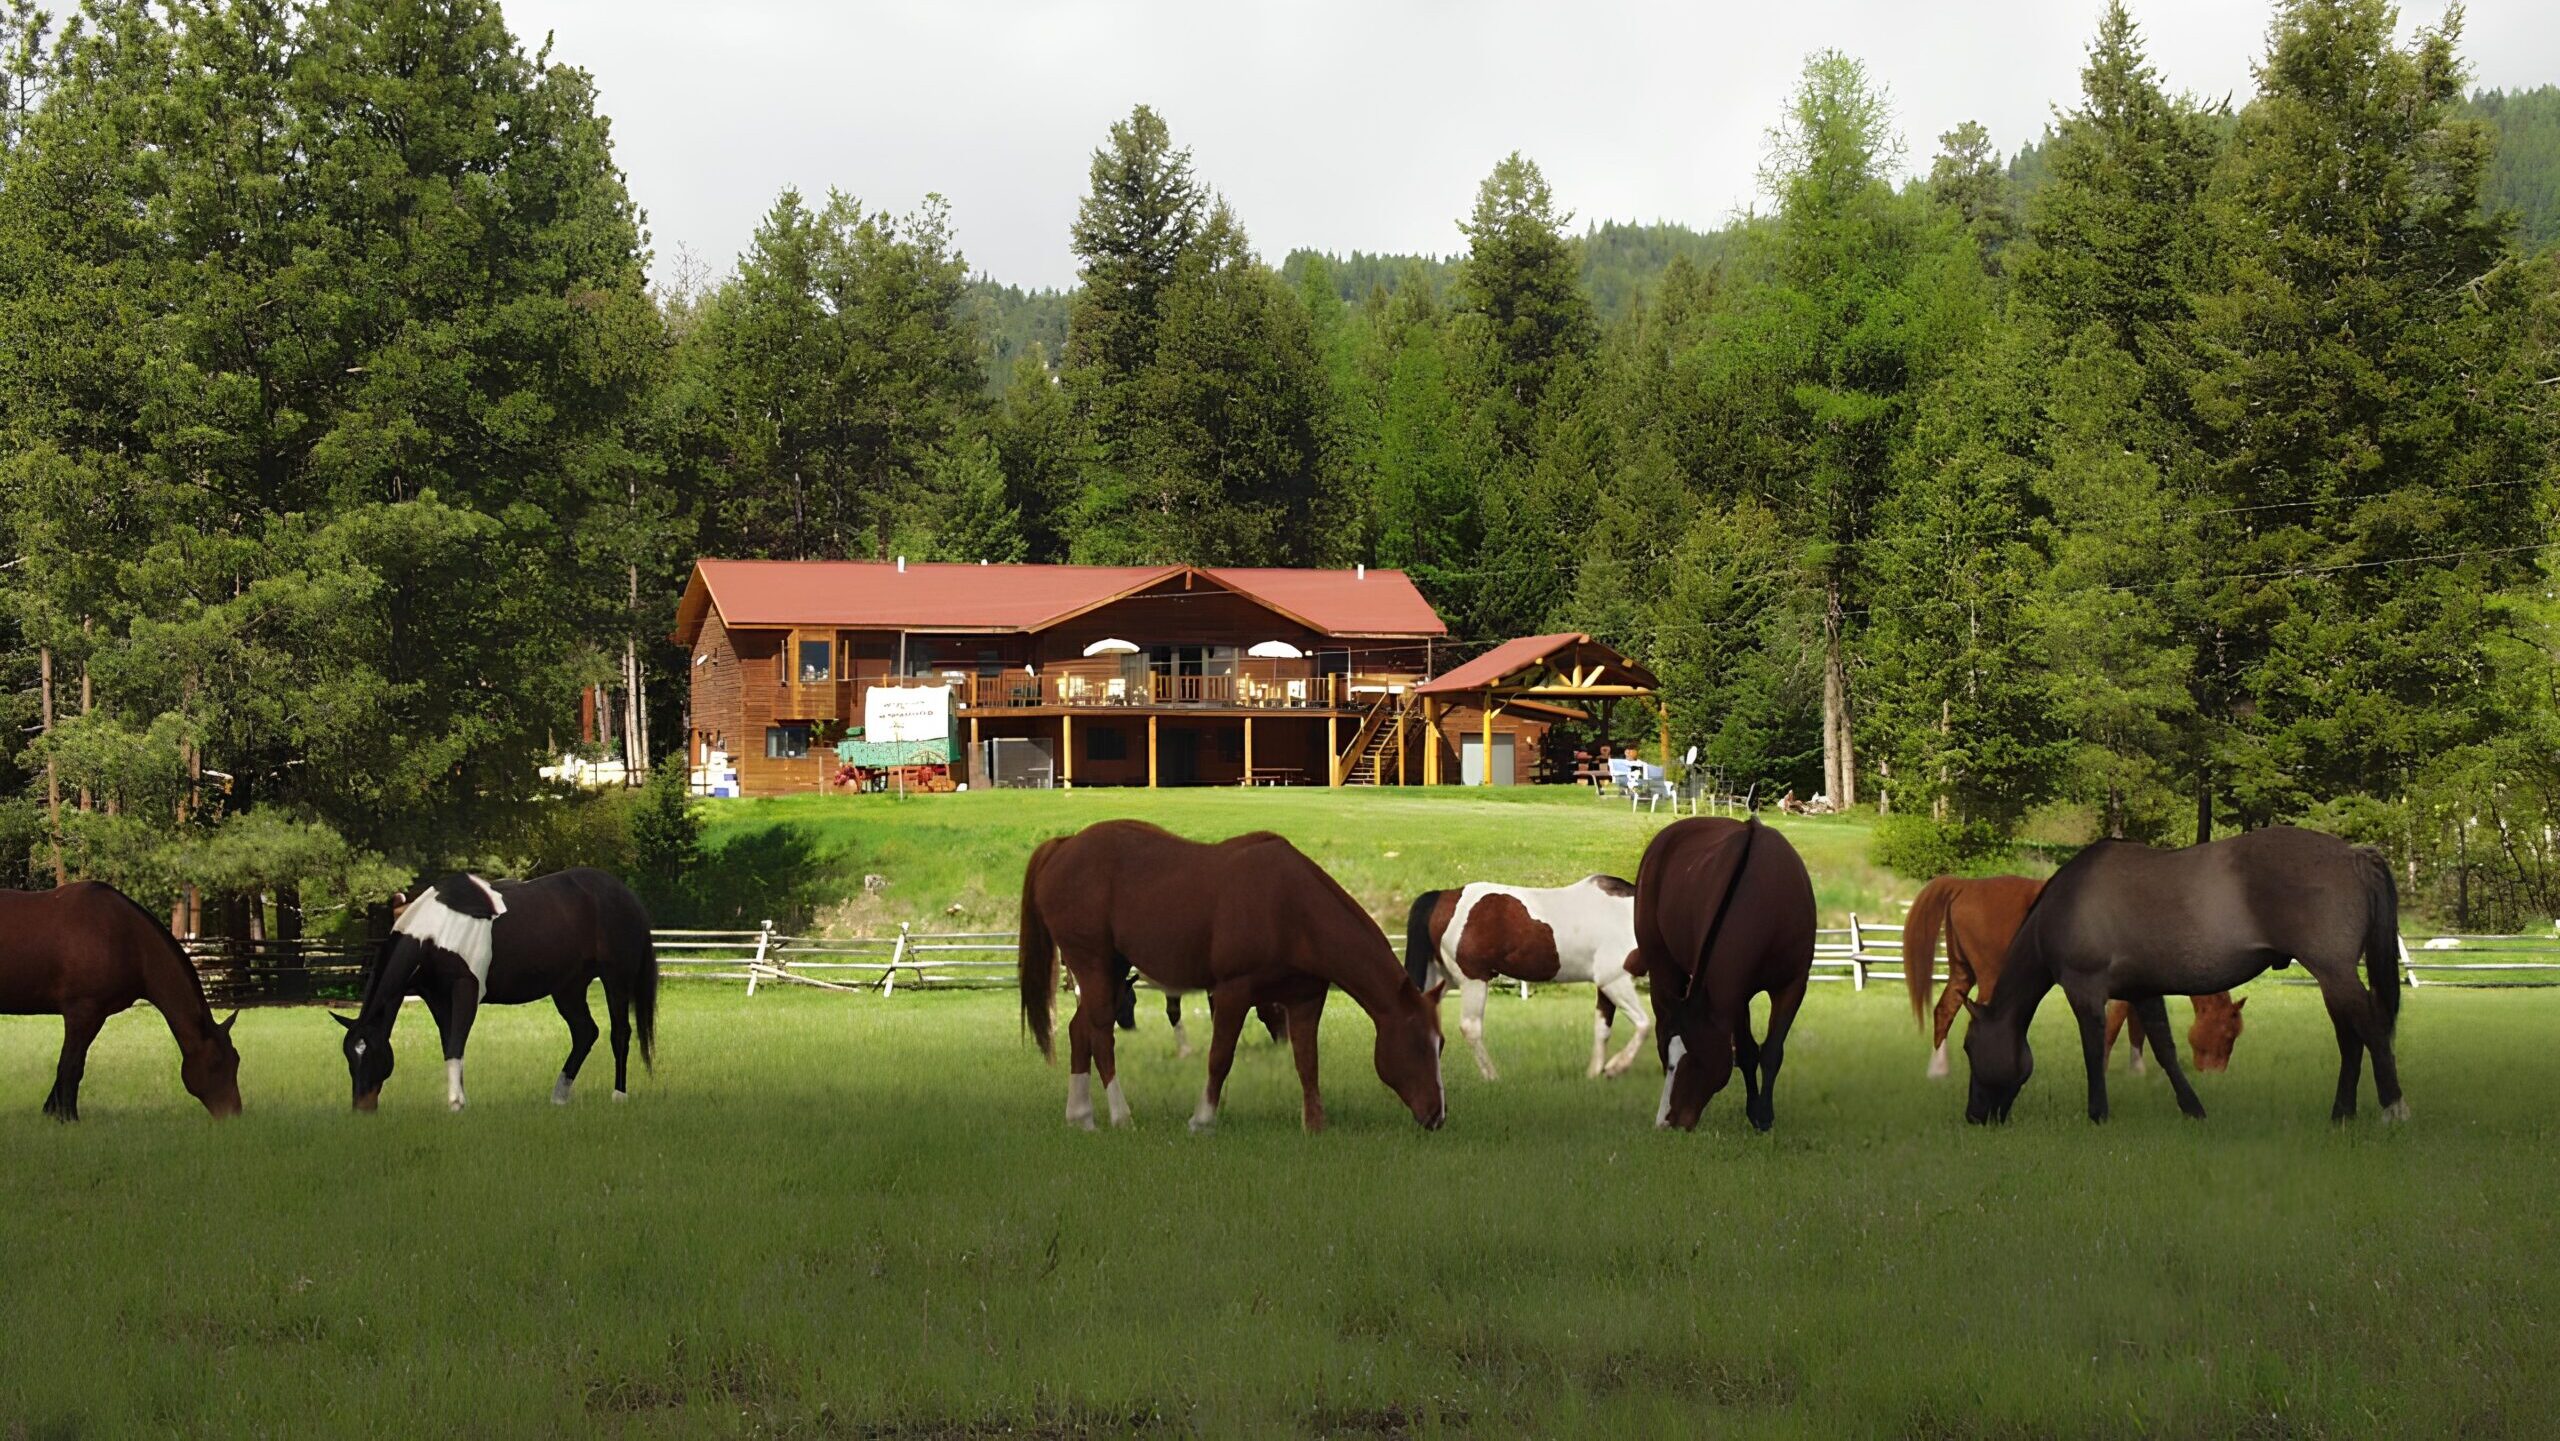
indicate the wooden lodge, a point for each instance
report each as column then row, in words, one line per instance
column 1126, row 676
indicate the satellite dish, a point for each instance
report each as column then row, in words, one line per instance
column 1693, row 756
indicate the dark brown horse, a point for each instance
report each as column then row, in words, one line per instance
column 2210, row 1037
column 1724, row 912
column 84, row 952
column 1248, row 920
column 1977, row 916
column 2126, row 921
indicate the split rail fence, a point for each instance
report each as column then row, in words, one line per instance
column 1860, row 952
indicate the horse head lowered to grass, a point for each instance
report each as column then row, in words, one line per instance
column 1249, row 920
column 86, row 951
column 2125, row 921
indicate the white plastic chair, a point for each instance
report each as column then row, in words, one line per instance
column 1648, row 785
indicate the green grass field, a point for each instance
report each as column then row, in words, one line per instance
column 956, row 861
column 847, row 1216
column 844, row 1216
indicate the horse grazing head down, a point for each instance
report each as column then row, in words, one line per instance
column 2001, row 1061
column 210, row 1070
column 1408, row 1053
column 2217, row 1026
column 367, row 1046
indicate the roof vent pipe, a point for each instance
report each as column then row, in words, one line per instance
column 1362, row 571
column 902, row 565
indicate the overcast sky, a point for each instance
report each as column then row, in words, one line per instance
column 1338, row 126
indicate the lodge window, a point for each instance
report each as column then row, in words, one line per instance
column 1231, row 744
column 817, row 661
column 1105, row 743
column 786, row 743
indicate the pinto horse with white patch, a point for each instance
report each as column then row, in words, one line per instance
column 1481, row 932
column 1249, row 920
column 467, row 942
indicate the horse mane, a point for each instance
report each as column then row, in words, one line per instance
column 166, row 948
column 1611, row 886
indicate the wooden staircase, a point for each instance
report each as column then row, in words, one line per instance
column 1373, row 746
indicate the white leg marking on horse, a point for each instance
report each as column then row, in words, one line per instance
column 2396, row 1111
column 1670, row 1070
column 1623, row 992
column 1181, row 1041
column 560, row 1090
column 1080, row 1100
column 453, row 1083
column 1938, row 1062
column 2138, row 1067
column 1119, row 1103
column 1471, row 1025
column 1599, row 1042
column 622, row 1095
column 1204, row 1116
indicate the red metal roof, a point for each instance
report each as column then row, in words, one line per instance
column 1514, row 656
column 858, row 595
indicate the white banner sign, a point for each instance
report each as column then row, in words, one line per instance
column 906, row 713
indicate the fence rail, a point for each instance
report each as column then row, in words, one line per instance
column 272, row 972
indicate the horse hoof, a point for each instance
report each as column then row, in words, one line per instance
column 1938, row 1068
column 560, row 1093
column 2396, row 1111
column 622, row 1095
column 454, row 1106
column 1201, row 1126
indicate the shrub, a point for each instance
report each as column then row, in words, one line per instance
column 666, row 837
column 1920, row 847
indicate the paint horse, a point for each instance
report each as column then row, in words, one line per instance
column 86, row 951
column 1124, row 1013
column 466, row 943
column 1249, row 920
column 1584, row 932
column 1977, row 916
column 2210, row 1037
column 2126, row 921
column 1724, row 912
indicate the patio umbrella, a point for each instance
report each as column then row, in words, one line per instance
column 1112, row 646
column 1275, row 650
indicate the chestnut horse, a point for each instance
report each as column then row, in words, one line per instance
column 466, row 943
column 86, row 951
column 2124, row 920
column 2216, row 1029
column 1978, row 916
column 1724, row 912
column 1248, row 920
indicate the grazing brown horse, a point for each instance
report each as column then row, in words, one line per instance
column 1248, row 920
column 1724, row 912
column 2215, row 1030
column 1978, row 916
column 84, row 952
column 2124, row 920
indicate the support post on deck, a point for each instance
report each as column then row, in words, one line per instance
column 1663, row 712
column 1487, row 757
column 1333, row 761
column 974, row 753
column 1430, row 742
column 1151, row 752
column 1248, row 752
column 1067, row 752
column 1404, row 714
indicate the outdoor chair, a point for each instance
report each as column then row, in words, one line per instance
column 1115, row 691
column 1297, row 692
column 1646, row 784
column 1621, row 775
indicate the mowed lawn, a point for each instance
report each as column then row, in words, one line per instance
column 844, row 1216
column 955, row 861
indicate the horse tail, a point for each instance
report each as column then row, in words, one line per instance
column 1920, row 931
column 1421, row 951
column 1751, row 829
column 644, row 1000
column 2382, row 935
column 1037, row 957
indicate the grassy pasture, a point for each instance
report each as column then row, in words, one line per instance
column 842, row 1216
column 829, row 1216
column 956, row 861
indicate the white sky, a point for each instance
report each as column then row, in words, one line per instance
column 1338, row 126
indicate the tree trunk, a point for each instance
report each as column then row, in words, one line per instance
column 635, row 712
column 52, row 773
column 1839, row 757
column 288, row 913
column 2204, row 802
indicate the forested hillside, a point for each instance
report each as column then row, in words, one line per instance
column 2192, row 471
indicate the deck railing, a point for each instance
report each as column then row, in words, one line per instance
column 1014, row 689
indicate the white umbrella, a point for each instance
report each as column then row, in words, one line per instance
column 1276, row 650
column 1110, row 647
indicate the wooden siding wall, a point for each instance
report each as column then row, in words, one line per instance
column 1528, row 737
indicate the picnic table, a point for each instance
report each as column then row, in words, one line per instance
column 1275, row 776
